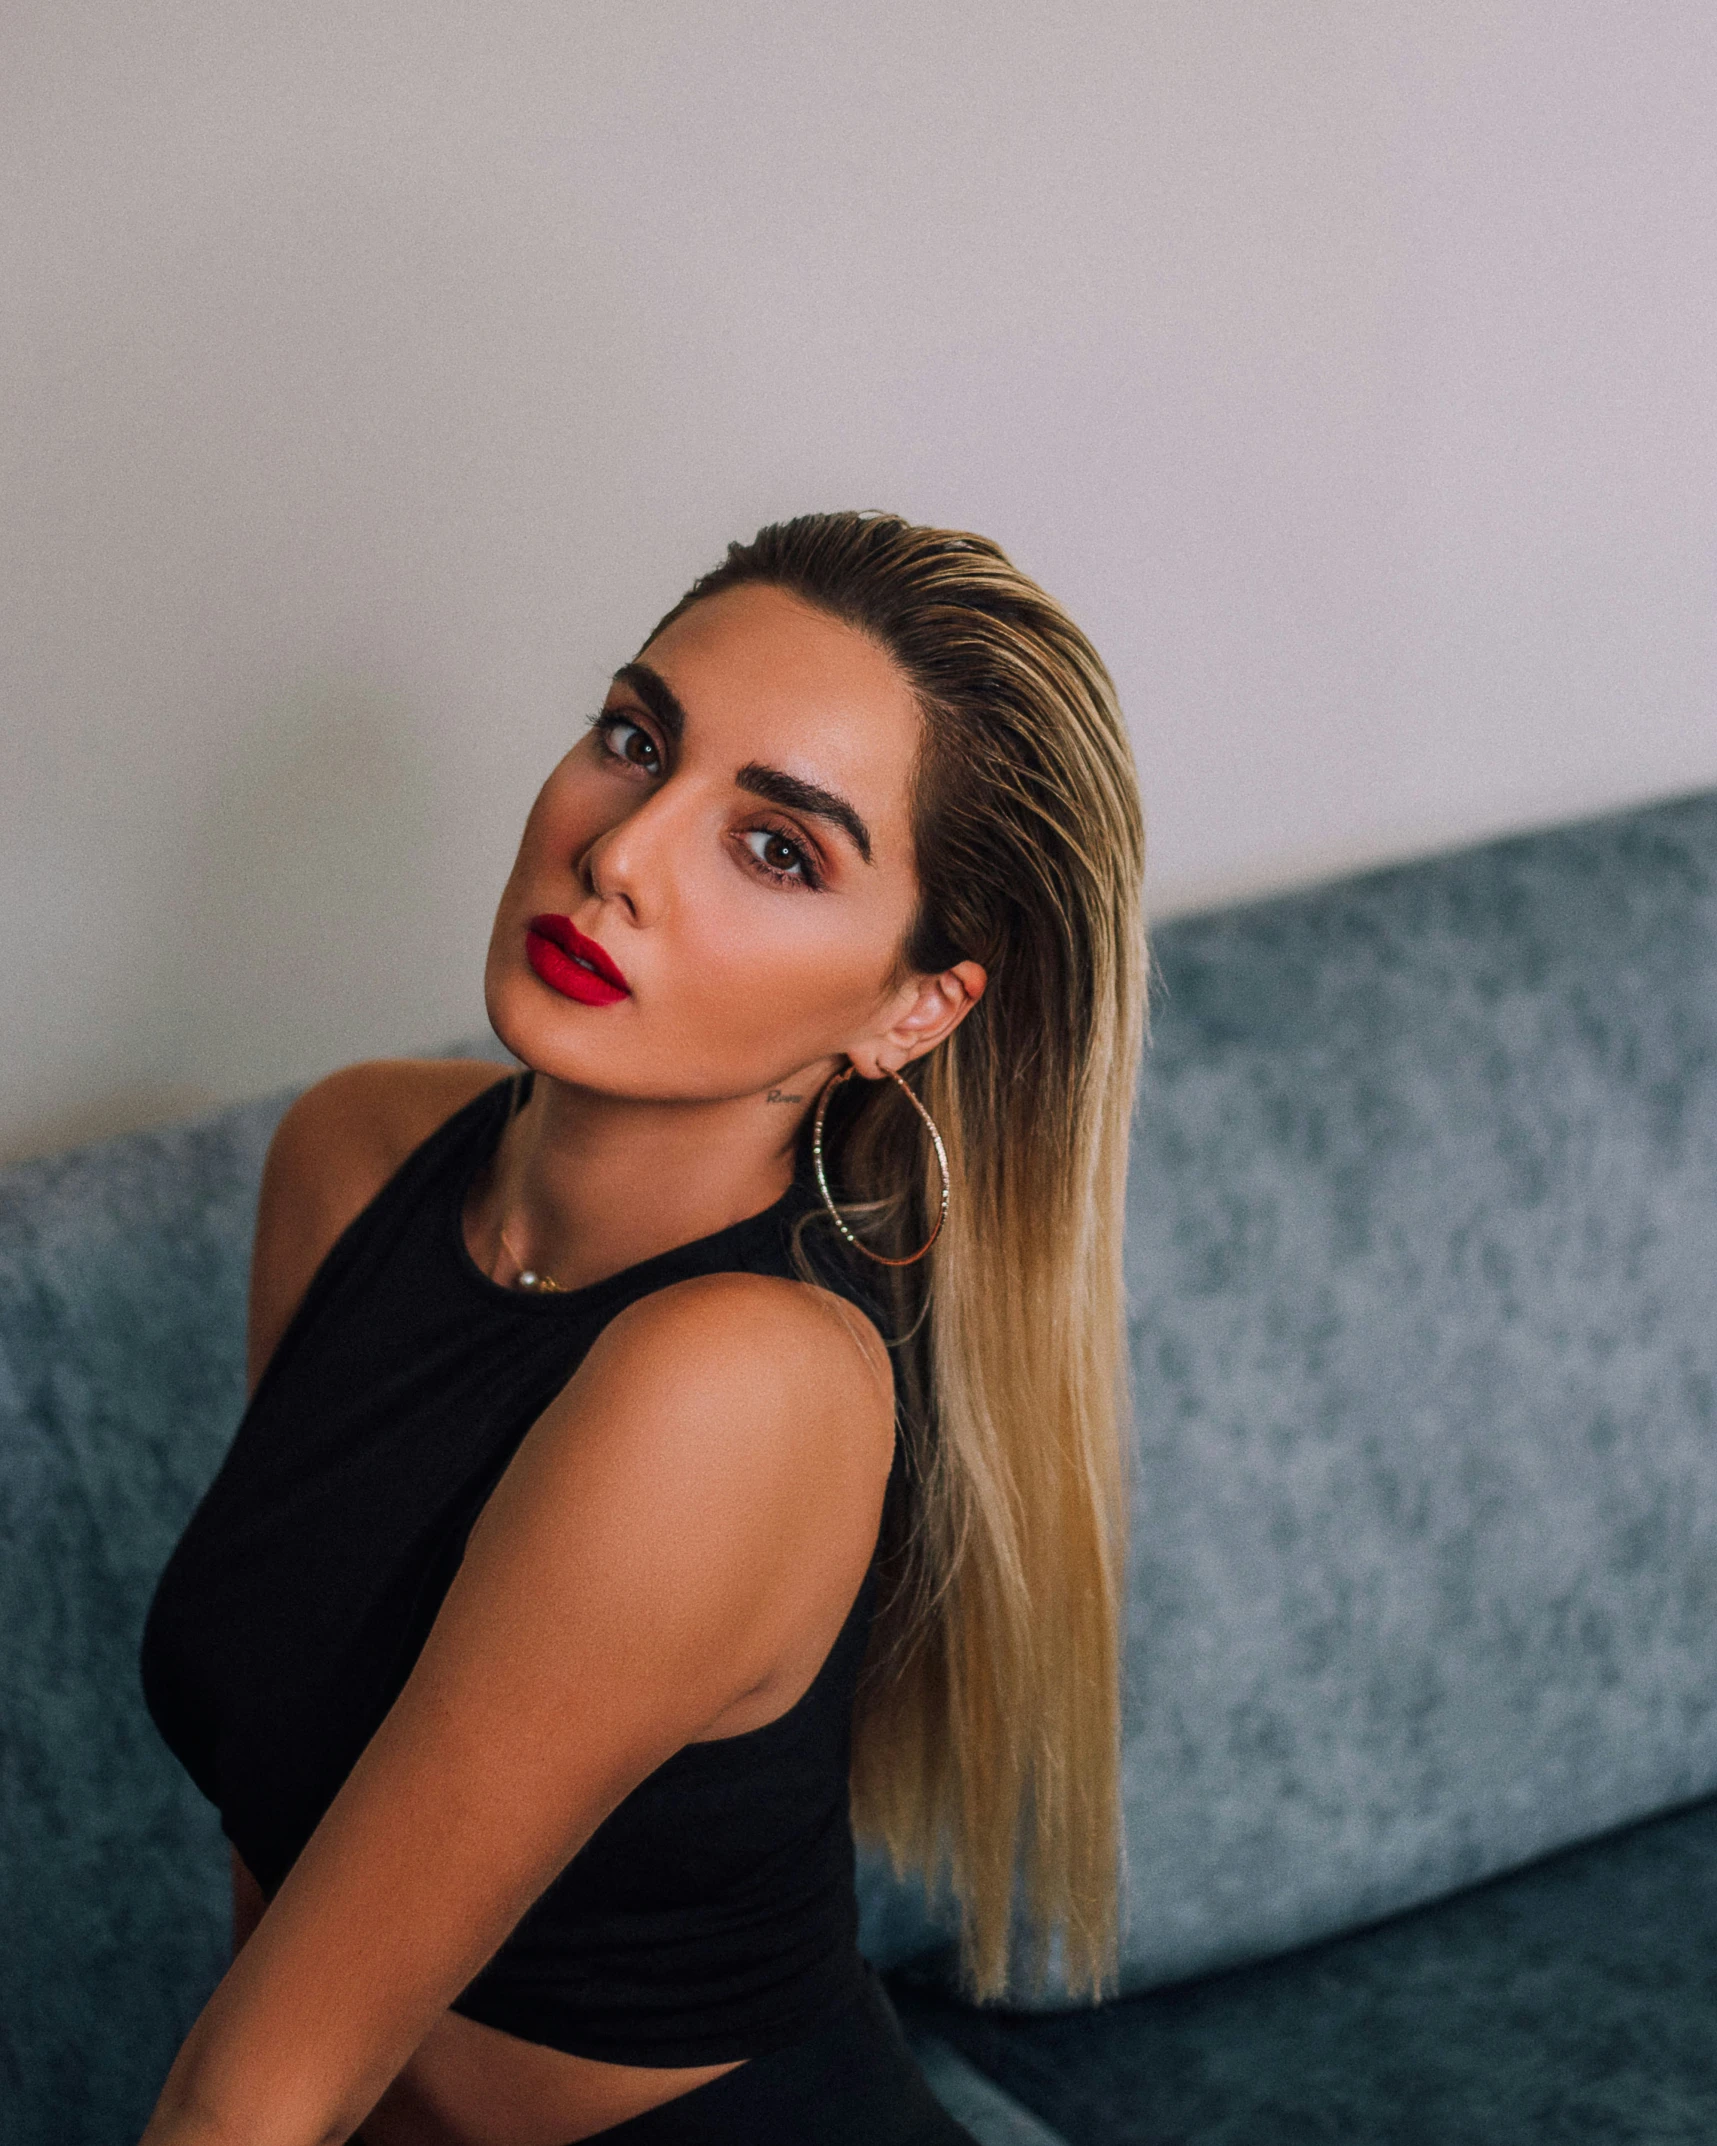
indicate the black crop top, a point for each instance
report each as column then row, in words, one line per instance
column 712, row 1914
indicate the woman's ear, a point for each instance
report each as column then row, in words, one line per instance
column 927, row 1009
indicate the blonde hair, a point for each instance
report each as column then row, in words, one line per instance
column 987, row 1724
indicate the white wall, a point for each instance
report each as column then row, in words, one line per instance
column 378, row 370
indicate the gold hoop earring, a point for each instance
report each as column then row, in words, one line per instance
column 823, row 1184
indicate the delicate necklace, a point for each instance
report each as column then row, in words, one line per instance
column 528, row 1277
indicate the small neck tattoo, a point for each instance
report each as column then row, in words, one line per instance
column 780, row 1095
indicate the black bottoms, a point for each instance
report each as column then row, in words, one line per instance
column 852, row 2083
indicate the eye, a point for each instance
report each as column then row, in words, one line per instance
column 625, row 739
column 780, row 857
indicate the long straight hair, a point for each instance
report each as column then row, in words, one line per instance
column 986, row 1731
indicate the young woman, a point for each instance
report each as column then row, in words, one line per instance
column 719, row 1419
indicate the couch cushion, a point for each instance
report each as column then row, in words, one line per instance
column 1570, row 2002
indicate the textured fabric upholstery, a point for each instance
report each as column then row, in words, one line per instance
column 1567, row 2004
column 122, row 1286
column 1422, row 1259
column 1421, row 1246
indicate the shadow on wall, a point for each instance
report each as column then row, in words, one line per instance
column 124, row 1109
column 309, row 935
column 305, row 931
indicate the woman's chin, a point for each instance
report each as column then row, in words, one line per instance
column 532, row 1023
column 562, row 1039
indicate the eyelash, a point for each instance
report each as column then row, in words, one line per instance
column 609, row 720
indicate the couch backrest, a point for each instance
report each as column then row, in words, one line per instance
column 122, row 1292
column 1421, row 1248
column 1422, row 1257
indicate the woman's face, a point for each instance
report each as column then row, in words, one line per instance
column 732, row 841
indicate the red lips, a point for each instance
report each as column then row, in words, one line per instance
column 571, row 964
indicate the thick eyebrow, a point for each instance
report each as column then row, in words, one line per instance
column 656, row 694
column 810, row 797
column 773, row 783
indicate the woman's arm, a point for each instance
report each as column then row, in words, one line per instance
column 711, row 1478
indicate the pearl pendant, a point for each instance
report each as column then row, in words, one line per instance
column 531, row 1278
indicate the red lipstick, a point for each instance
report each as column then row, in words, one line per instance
column 571, row 964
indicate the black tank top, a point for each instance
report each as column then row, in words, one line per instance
column 712, row 1914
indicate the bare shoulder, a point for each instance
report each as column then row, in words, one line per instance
column 337, row 1145
column 730, row 1438
column 369, row 1117
column 759, row 1344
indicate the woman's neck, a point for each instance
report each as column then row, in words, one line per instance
column 586, row 1185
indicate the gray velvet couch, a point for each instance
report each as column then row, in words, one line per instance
column 1422, row 1706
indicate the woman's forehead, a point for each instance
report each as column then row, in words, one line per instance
column 757, row 672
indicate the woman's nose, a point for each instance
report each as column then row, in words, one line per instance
column 631, row 861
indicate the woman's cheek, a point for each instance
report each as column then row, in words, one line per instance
column 760, row 969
